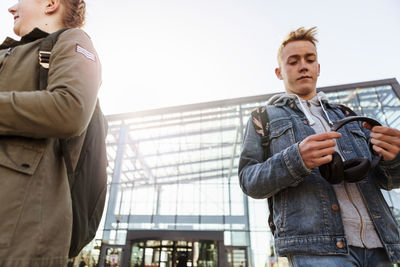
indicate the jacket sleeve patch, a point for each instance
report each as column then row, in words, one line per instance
column 86, row 53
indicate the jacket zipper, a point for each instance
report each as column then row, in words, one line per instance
column 344, row 184
column 309, row 108
column 5, row 58
column 359, row 214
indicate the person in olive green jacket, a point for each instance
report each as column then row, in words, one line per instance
column 35, row 203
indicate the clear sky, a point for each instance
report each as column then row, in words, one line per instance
column 160, row 53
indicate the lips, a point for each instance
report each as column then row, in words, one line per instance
column 16, row 19
column 304, row 77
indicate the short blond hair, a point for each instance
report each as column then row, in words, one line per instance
column 301, row 34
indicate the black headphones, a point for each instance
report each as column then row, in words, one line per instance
column 352, row 170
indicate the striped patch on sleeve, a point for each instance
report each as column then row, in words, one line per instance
column 86, row 53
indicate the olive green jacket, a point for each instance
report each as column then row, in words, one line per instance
column 35, row 203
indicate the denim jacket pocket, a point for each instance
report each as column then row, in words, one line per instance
column 18, row 163
column 281, row 135
column 361, row 142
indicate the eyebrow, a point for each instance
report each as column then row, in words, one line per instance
column 298, row 56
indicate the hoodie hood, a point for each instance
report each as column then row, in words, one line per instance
column 282, row 96
column 316, row 101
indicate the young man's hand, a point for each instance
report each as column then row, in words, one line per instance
column 385, row 140
column 317, row 149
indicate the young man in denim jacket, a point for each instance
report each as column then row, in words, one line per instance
column 319, row 223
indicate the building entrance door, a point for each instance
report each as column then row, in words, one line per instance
column 175, row 249
column 169, row 253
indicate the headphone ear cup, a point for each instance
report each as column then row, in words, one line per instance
column 356, row 169
column 333, row 171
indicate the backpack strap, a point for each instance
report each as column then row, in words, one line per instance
column 44, row 56
column 45, row 48
column 261, row 124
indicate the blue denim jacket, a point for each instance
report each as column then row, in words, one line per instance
column 303, row 201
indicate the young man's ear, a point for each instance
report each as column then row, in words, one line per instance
column 278, row 73
column 52, row 6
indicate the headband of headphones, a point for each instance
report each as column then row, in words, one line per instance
column 337, row 125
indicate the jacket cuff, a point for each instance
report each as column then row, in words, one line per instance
column 295, row 163
column 390, row 164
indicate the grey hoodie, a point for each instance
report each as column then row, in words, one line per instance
column 359, row 228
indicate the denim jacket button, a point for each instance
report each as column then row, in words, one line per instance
column 339, row 244
column 335, row 207
column 305, row 122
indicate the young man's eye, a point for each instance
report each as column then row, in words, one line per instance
column 292, row 62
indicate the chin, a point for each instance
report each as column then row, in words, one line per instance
column 307, row 88
column 17, row 31
column 305, row 91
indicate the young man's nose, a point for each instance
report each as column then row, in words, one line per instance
column 13, row 9
column 303, row 66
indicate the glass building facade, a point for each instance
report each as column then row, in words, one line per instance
column 173, row 183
